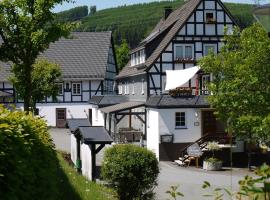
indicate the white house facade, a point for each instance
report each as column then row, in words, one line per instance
column 88, row 67
column 169, row 121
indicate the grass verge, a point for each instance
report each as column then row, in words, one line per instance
column 73, row 186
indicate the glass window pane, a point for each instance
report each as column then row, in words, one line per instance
column 179, row 52
column 188, row 52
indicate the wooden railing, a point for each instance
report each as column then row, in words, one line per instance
column 221, row 138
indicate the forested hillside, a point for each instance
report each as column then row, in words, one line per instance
column 134, row 22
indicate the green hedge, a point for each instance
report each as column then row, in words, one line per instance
column 28, row 162
column 131, row 170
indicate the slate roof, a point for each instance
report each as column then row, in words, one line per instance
column 122, row 106
column 83, row 56
column 94, row 135
column 73, row 124
column 167, row 101
column 109, row 100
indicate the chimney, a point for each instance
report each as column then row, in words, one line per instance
column 168, row 11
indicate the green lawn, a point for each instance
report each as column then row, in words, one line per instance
column 74, row 186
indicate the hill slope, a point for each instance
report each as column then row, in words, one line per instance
column 134, row 22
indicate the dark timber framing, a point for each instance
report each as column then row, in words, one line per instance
column 198, row 40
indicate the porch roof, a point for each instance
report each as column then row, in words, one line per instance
column 73, row 124
column 167, row 101
column 122, row 106
column 5, row 94
column 93, row 135
column 107, row 100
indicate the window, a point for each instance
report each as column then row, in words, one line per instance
column 138, row 57
column 142, row 86
column 180, row 120
column 76, row 88
column 209, row 48
column 210, row 17
column 127, row 88
column 60, row 88
column 184, row 52
column 120, row 91
column 67, row 86
column 133, row 88
column 205, row 81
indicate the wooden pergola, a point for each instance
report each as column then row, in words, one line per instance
column 116, row 113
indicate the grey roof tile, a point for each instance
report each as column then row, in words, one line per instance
column 107, row 100
column 167, row 101
column 83, row 56
column 94, row 135
column 73, row 124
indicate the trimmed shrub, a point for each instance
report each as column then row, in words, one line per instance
column 131, row 170
column 28, row 163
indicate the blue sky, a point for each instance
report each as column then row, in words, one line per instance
column 102, row 4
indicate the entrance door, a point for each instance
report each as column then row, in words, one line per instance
column 90, row 116
column 61, row 117
column 208, row 122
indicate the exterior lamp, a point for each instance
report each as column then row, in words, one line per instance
column 262, row 15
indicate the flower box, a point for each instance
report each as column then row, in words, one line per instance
column 184, row 60
column 181, row 91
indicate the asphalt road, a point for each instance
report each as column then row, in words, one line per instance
column 190, row 179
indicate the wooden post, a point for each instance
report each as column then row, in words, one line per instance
column 110, row 124
column 197, row 85
column 130, row 121
column 93, row 159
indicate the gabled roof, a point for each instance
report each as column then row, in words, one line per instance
column 83, row 56
column 174, row 22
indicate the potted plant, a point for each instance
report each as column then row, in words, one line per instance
column 212, row 163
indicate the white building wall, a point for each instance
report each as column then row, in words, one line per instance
column 73, row 148
column 167, row 125
column 48, row 111
column 86, row 159
column 153, row 133
column 97, row 117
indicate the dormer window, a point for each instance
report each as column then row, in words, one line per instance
column 210, row 17
column 138, row 57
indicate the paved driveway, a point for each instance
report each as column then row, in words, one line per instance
column 190, row 179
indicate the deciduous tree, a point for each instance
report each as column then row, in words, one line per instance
column 122, row 54
column 240, row 87
column 27, row 27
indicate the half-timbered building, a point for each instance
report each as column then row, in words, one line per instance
column 88, row 68
column 171, row 122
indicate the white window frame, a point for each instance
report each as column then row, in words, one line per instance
column 120, row 88
column 204, row 85
column 142, row 86
column 76, row 92
column 185, row 120
column 184, row 50
column 133, row 87
column 127, row 87
column 209, row 45
column 62, row 88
